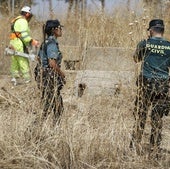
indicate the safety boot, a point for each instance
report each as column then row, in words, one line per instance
column 14, row 81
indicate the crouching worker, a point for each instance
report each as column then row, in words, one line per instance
column 52, row 76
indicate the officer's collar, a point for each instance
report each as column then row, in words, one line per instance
column 53, row 37
column 157, row 38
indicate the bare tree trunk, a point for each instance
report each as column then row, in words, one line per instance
column 76, row 9
column 13, row 7
column 51, row 9
column 70, row 6
column 103, row 5
column 9, row 6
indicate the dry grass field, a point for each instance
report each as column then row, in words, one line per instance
column 95, row 130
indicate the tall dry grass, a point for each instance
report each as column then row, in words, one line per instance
column 95, row 131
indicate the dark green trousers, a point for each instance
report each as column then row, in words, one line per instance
column 51, row 97
column 152, row 94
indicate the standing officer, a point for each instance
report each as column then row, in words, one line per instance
column 153, row 85
column 20, row 39
column 53, row 77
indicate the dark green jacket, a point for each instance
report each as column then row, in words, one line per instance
column 155, row 56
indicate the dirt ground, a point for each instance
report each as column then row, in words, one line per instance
column 91, row 121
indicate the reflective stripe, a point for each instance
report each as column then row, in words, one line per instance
column 23, row 37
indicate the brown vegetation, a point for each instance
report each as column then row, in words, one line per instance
column 95, row 131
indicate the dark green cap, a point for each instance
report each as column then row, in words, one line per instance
column 158, row 23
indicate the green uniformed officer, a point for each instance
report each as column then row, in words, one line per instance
column 153, row 86
column 53, row 78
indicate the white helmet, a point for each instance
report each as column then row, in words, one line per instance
column 26, row 9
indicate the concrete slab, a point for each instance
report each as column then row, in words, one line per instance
column 103, row 70
column 103, row 82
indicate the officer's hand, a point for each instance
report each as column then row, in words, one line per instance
column 35, row 43
column 62, row 75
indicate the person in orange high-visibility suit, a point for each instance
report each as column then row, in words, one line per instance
column 20, row 39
